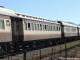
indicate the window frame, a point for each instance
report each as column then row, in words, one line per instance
column 3, row 24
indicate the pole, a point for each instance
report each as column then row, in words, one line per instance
column 24, row 55
column 52, row 53
column 65, row 50
column 40, row 53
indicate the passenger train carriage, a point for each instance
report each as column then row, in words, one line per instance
column 17, row 28
column 70, row 29
column 36, row 30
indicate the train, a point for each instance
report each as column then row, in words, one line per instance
column 19, row 32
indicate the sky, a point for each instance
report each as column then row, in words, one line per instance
column 64, row 10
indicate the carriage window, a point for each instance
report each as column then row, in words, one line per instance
column 2, row 26
column 45, row 27
column 32, row 26
column 40, row 27
column 59, row 28
column 54, row 28
column 48, row 28
column 25, row 26
column 51, row 28
column 35, row 27
column 7, row 23
column 29, row 26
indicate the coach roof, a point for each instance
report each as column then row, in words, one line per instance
column 5, row 11
column 69, row 24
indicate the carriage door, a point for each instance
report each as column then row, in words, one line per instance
column 17, row 29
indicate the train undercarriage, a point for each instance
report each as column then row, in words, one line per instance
column 13, row 48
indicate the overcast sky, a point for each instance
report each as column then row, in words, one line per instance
column 67, row 10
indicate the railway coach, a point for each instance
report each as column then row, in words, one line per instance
column 69, row 31
column 19, row 31
column 16, row 28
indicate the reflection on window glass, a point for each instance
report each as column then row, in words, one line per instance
column 2, row 26
column 7, row 23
